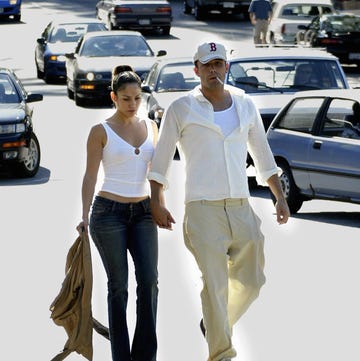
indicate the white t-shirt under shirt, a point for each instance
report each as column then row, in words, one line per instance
column 227, row 119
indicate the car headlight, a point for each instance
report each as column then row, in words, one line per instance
column 57, row 58
column 90, row 76
column 13, row 2
column 12, row 128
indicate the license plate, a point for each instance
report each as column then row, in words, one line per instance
column 1, row 10
column 144, row 22
column 228, row 5
column 354, row 56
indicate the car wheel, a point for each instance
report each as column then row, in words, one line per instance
column 78, row 101
column 187, row 9
column 199, row 12
column 29, row 166
column 166, row 30
column 17, row 18
column 291, row 192
column 70, row 93
column 39, row 73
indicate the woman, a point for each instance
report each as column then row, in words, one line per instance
column 120, row 218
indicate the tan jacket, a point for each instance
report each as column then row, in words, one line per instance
column 71, row 308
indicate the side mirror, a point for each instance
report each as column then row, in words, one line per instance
column 34, row 97
column 70, row 56
column 146, row 89
column 161, row 53
column 41, row 41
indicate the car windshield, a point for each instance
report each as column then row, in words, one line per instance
column 304, row 10
column 177, row 77
column 342, row 23
column 123, row 45
column 284, row 76
column 8, row 93
column 70, row 33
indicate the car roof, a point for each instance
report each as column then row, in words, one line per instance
column 275, row 52
column 74, row 20
column 336, row 93
column 112, row 33
column 304, row 2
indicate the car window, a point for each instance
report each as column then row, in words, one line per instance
column 177, row 77
column 301, row 115
column 304, row 10
column 8, row 93
column 70, row 33
column 342, row 119
column 284, row 75
column 101, row 46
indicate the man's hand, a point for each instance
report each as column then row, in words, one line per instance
column 282, row 211
column 161, row 215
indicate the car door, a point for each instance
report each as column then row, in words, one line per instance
column 41, row 46
column 334, row 162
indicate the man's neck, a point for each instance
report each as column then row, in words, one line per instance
column 219, row 98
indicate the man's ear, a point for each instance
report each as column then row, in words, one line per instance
column 196, row 70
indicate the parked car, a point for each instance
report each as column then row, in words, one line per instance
column 288, row 15
column 167, row 79
column 339, row 34
column 89, row 68
column 60, row 37
column 19, row 146
column 10, row 9
column 202, row 8
column 135, row 14
column 315, row 139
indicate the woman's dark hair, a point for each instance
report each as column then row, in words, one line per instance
column 122, row 75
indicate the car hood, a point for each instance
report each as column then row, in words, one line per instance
column 271, row 103
column 61, row 48
column 166, row 98
column 13, row 113
column 102, row 64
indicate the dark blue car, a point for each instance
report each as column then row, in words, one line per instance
column 57, row 39
column 10, row 9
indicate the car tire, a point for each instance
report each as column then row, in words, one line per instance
column 187, row 9
column 291, row 191
column 78, row 101
column 70, row 93
column 29, row 166
column 39, row 73
column 166, row 30
column 199, row 11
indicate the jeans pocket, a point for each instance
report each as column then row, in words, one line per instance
column 100, row 207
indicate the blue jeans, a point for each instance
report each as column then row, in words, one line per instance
column 116, row 228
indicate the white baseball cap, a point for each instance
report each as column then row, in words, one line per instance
column 210, row 51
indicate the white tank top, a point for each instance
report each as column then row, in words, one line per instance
column 227, row 119
column 126, row 167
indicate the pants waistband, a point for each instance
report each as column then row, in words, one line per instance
column 225, row 202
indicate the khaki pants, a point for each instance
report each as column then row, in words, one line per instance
column 225, row 238
column 260, row 31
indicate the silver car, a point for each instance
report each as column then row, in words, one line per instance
column 315, row 139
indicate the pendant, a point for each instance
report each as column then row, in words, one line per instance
column 137, row 151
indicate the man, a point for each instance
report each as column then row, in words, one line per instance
column 215, row 126
column 260, row 12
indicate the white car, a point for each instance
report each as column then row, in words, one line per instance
column 288, row 15
column 272, row 75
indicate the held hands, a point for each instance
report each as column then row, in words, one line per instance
column 162, row 216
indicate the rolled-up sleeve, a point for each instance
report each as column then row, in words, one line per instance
column 260, row 150
column 166, row 146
